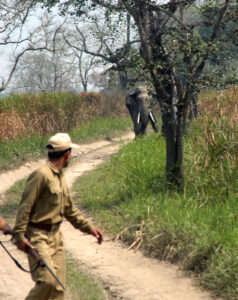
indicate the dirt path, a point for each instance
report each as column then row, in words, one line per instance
column 125, row 274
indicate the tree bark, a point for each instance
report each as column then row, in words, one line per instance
column 193, row 111
column 123, row 76
column 179, row 161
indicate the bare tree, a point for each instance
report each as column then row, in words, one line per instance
column 51, row 67
column 17, row 37
column 100, row 46
column 85, row 66
column 13, row 16
column 43, row 71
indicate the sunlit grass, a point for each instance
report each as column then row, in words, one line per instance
column 80, row 284
column 197, row 228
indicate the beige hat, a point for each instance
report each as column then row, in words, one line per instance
column 60, row 142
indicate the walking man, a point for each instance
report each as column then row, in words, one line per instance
column 45, row 202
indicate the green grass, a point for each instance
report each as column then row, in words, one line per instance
column 100, row 128
column 197, row 228
column 81, row 285
column 12, row 195
column 14, row 153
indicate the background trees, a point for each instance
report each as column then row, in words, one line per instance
column 172, row 45
column 18, row 35
column 44, row 71
column 105, row 41
column 13, row 16
column 173, row 52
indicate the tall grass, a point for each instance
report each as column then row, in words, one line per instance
column 16, row 151
column 26, row 122
column 43, row 114
column 197, row 228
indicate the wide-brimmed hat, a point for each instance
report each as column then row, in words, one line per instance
column 60, row 142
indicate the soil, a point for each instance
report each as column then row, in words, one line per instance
column 124, row 274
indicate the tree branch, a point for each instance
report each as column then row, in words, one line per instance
column 212, row 38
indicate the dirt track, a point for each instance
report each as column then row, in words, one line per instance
column 125, row 274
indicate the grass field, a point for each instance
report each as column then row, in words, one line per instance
column 196, row 228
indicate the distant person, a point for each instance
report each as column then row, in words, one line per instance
column 45, row 202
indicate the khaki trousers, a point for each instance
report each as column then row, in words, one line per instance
column 50, row 248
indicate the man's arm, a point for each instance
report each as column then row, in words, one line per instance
column 74, row 216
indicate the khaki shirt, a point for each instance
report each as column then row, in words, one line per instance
column 46, row 199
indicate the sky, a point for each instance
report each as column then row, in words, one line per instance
column 6, row 51
column 33, row 22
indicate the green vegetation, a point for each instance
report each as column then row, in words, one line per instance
column 9, row 209
column 81, row 285
column 197, row 228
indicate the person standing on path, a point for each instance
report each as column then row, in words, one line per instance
column 45, row 202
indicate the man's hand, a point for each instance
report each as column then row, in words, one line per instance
column 98, row 234
column 24, row 245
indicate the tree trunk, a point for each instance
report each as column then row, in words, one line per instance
column 179, row 161
column 123, row 76
column 174, row 145
column 85, row 87
column 193, row 112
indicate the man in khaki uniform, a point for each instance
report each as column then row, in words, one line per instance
column 45, row 201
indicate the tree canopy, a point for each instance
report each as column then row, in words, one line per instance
column 175, row 39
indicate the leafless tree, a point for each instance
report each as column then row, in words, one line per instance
column 101, row 47
column 18, row 36
column 51, row 67
column 85, row 65
column 43, row 71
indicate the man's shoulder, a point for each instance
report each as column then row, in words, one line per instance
column 46, row 169
column 43, row 170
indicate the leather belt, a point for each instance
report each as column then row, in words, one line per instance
column 46, row 227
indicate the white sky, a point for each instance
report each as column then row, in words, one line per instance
column 6, row 51
column 33, row 22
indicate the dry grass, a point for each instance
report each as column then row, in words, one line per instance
column 11, row 125
column 220, row 105
column 43, row 114
column 219, row 112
